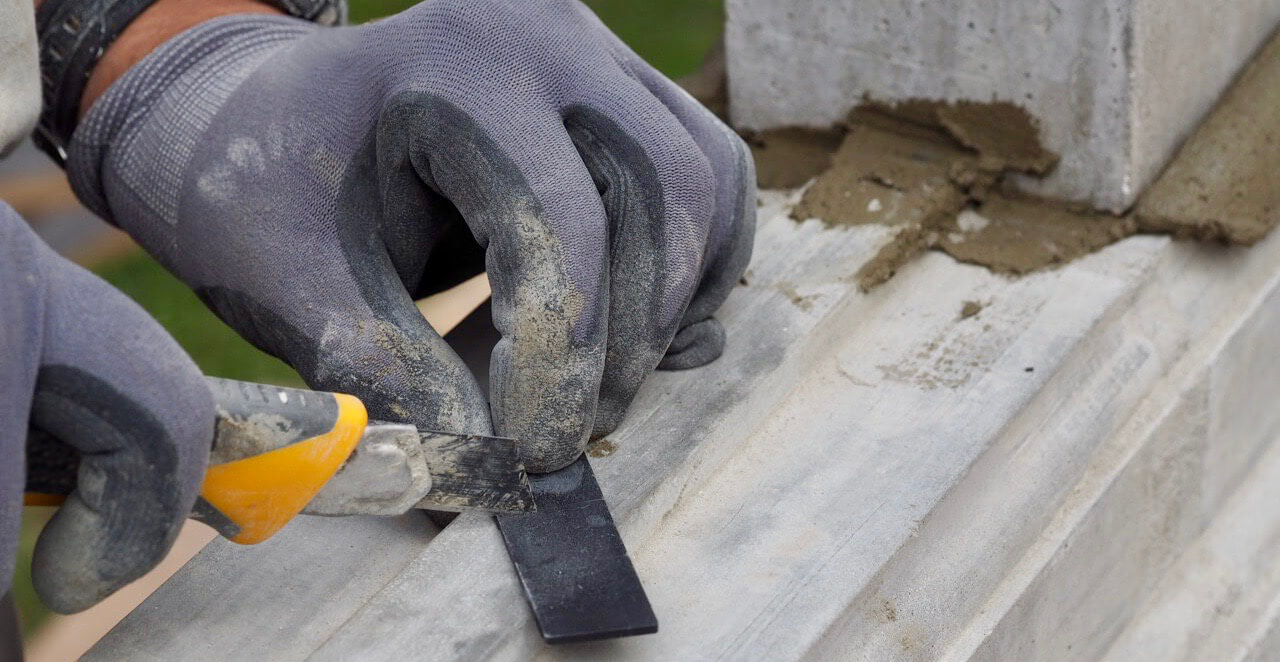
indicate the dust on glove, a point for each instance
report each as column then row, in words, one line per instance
column 311, row 182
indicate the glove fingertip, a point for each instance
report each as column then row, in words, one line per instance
column 695, row 345
column 78, row 561
column 551, row 457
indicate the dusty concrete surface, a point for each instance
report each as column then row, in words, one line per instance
column 1224, row 183
column 982, row 506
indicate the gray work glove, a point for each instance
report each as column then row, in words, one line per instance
column 310, row 182
column 88, row 367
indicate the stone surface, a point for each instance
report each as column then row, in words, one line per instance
column 864, row 476
column 1221, row 599
column 279, row 598
column 1115, row 84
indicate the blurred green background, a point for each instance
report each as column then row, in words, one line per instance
column 673, row 35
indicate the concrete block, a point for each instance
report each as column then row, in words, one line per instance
column 1116, row 85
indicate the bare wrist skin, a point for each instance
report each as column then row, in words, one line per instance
column 159, row 23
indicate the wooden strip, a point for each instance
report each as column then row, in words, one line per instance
column 39, row 195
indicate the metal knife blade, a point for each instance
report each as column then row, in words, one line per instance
column 396, row 468
column 474, row 472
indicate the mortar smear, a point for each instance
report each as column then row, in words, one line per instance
column 1023, row 235
column 789, row 157
column 882, row 176
column 998, row 130
column 935, row 170
column 1224, row 183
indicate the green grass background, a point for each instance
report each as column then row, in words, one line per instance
column 673, row 35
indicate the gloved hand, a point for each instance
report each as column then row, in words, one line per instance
column 310, row 182
column 84, row 364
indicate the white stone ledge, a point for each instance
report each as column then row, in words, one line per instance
column 1221, row 599
column 861, row 476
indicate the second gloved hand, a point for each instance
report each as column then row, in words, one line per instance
column 310, row 182
column 82, row 364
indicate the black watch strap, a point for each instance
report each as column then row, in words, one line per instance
column 74, row 34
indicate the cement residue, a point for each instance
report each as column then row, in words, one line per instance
column 1002, row 134
column 936, row 170
column 244, row 436
column 942, row 363
column 789, row 157
column 1023, row 235
column 907, row 244
column 998, row 130
column 1222, row 185
column 881, row 176
column 970, row 309
column 800, row 301
column 601, row 448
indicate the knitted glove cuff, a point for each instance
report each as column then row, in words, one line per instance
column 73, row 36
column 177, row 89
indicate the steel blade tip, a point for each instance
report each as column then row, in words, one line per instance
column 475, row 472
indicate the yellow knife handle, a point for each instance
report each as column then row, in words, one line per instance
column 274, row 448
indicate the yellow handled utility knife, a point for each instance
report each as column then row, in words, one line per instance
column 282, row 451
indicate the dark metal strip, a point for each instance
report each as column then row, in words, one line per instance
column 575, row 570
column 574, row 567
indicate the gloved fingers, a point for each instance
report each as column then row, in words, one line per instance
column 732, row 232
column 658, row 191
column 401, row 369
column 696, row 344
column 20, row 335
column 356, row 330
column 423, row 234
column 116, row 387
column 522, row 188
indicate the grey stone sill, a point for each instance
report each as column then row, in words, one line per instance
column 860, row 476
